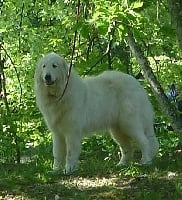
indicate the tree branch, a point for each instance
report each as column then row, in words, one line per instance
column 175, row 7
column 3, row 82
column 106, row 53
column 169, row 109
column 95, row 64
column 16, row 71
column 20, row 26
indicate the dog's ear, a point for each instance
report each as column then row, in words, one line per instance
column 65, row 64
column 38, row 74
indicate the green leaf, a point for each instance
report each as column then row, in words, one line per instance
column 137, row 4
column 103, row 28
column 2, row 30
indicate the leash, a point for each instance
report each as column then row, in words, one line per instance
column 72, row 53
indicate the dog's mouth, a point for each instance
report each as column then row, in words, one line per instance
column 49, row 83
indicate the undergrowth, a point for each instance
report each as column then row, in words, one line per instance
column 97, row 176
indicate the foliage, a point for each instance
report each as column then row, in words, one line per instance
column 32, row 28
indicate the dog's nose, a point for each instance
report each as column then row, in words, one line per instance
column 48, row 78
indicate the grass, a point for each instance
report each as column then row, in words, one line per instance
column 96, row 178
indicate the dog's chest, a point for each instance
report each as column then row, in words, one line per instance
column 54, row 114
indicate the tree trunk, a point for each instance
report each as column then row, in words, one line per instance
column 169, row 109
column 175, row 9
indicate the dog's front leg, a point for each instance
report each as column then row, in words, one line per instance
column 73, row 144
column 59, row 151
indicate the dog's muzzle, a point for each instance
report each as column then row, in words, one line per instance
column 48, row 80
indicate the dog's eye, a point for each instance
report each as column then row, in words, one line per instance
column 43, row 66
column 54, row 66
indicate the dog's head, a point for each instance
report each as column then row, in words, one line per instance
column 51, row 69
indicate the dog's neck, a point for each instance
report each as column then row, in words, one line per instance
column 52, row 92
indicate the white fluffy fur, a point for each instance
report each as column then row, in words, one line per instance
column 113, row 100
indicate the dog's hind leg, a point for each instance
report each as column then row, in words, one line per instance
column 144, row 145
column 125, row 145
column 133, row 134
column 154, row 144
column 59, row 151
column 73, row 144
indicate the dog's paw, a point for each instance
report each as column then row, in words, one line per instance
column 70, row 169
column 148, row 162
column 55, row 172
column 57, row 166
column 121, row 164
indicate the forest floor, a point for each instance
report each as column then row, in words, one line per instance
column 96, row 178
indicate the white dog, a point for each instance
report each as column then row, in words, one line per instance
column 113, row 100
